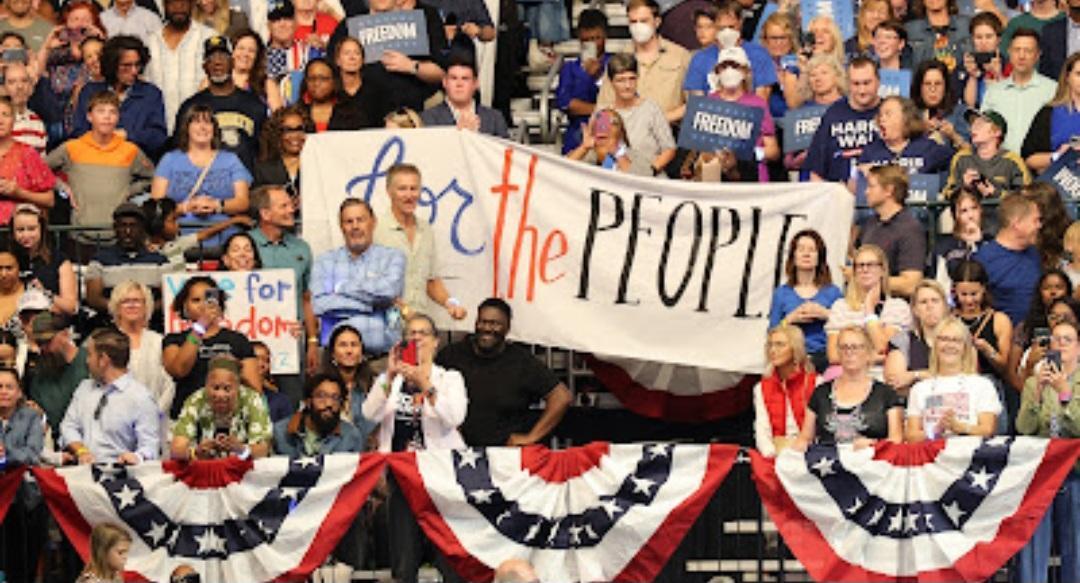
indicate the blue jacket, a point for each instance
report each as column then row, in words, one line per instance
column 289, row 438
column 142, row 116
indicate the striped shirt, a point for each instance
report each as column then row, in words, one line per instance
column 30, row 130
column 177, row 72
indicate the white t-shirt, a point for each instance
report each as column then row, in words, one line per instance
column 966, row 395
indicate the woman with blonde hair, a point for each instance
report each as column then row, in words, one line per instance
column 1051, row 132
column 109, row 546
column 954, row 399
column 853, row 408
column 604, row 143
column 866, row 303
column 780, row 398
column 871, row 14
column 908, row 360
column 131, row 305
column 403, row 118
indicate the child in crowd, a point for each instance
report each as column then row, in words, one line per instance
column 984, row 64
column 986, row 169
column 163, row 229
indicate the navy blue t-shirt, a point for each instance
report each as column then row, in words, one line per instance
column 842, row 129
column 1013, row 277
column 921, row 155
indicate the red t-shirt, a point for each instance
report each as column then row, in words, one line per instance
column 324, row 26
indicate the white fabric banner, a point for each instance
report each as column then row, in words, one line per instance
column 589, row 259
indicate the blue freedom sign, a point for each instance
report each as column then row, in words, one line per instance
column 799, row 126
column 895, row 82
column 714, row 124
column 1064, row 174
column 841, row 11
column 403, row 31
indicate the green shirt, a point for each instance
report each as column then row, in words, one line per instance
column 291, row 252
column 53, row 392
column 1034, row 417
column 250, row 423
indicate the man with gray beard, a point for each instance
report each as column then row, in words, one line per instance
column 55, row 366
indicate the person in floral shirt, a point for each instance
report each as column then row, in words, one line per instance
column 224, row 418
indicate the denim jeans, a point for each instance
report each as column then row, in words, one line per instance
column 1060, row 522
column 547, row 20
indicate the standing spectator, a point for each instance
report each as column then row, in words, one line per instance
column 846, row 127
column 827, row 39
column 871, row 14
column 239, row 113
column 45, row 264
column 28, row 127
column 1053, row 128
column 128, row 259
column 1051, row 304
column 176, row 52
column 890, row 46
column 280, row 145
column 966, row 237
column 780, row 38
column 61, row 57
column 208, row 183
column 216, row 14
column 187, row 354
column 284, row 56
column 579, row 79
column 780, row 398
column 1011, row 260
column 933, row 94
column 249, row 69
column 224, row 418
column 1038, row 15
column 313, row 26
column 939, row 32
column 102, row 168
column 24, row 528
column 1058, row 40
column 1020, row 96
column 163, row 230
column 986, row 169
column 344, row 357
column 460, row 108
column 991, row 330
column 317, row 428
column 902, row 140
column 24, row 176
column 661, row 64
column 131, row 304
column 867, row 303
column 111, row 418
column 466, row 20
column 804, row 300
column 503, row 380
column 142, row 109
column 827, row 85
column 894, row 228
column 11, row 290
column 646, row 126
column 54, row 367
column 985, row 37
column 276, row 402
column 908, row 358
column 321, row 99
column 729, row 23
column 240, row 253
column 125, row 17
column 349, row 60
column 109, row 546
column 23, row 19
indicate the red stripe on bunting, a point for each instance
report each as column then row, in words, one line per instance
column 209, row 474
column 659, row 404
column 9, row 484
column 403, row 464
column 347, row 505
column 823, row 564
column 903, row 455
column 63, row 509
column 652, row 557
column 560, row 466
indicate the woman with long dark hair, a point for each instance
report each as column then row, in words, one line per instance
column 805, row 298
column 1032, row 335
column 249, row 68
column 282, row 140
column 321, row 95
column 344, row 356
column 933, row 92
column 46, row 266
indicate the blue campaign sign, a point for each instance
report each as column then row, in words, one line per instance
column 1064, row 174
column 841, row 11
column 403, row 31
column 714, row 124
column 921, row 188
column 895, row 82
column 799, row 126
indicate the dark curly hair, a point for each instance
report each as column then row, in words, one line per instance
column 270, row 139
column 114, row 49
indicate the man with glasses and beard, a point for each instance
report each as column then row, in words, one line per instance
column 112, row 417
column 317, row 428
column 55, row 366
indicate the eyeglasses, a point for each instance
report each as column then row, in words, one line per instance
column 187, row 578
column 292, row 129
column 422, row 333
column 776, row 39
column 950, row 339
column 866, row 265
column 322, row 396
column 851, row 347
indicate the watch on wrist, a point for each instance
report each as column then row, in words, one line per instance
column 416, row 68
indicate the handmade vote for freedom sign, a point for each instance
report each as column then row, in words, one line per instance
column 894, row 82
column 404, row 31
column 841, row 11
column 261, row 305
column 713, row 124
column 1064, row 174
column 799, row 126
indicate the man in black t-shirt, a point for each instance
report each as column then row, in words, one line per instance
column 503, row 380
column 240, row 114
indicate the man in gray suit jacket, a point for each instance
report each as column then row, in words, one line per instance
column 460, row 108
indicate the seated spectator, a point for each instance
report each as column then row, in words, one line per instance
column 163, row 230
column 22, row 18
column 126, row 18
column 131, row 304
column 1055, row 221
column 932, row 92
column 871, row 14
column 208, row 184
column 142, row 110
column 1050, row 407
column 319, row 93
column 827, row 39
column 24, row 176
column 984, row 168
column 901, row 140
column 966, row 237
column 224, row 418
column 60, row 58
column 111, row 418
column 239, row 113
column 460, row 108
column 729, row 18
column 173, row 65
column 128, row 259
column 1057, row 40
column 403, row 118
column 704, row 27
column 646, row 126
column 579, row 79
column 804, row 300
column 28, row 127
column 187, row 355
column 102, row 168
column 13, row 350
column 846, row 127
column 317, row 428
column 54, row 367
column 45, row 264
column 1034, row 17
column 344, row 357
column 890, row 46
column 1031, row 338
column 249, row 67
column 11, row 289
column 780, row 398
column 991, row 330
column 349, row 62
column 908, row 359
column 852, row 408
column 604, row 143
column 277, row 403
column 109, row 546
column 215, row 14
column 661, row 64
column 827, row 85
column 1011, row 260
column 357, row 283
column 1055, row 125
column 985, row 31
column 91, row 48
column 24, row 530
column 894, row 228
column 954, row 400
column 240, row 253
column 867, row 303
column 313, row 26
column 780, row 38
column 1022, row 94
column 280, row 145
column 938, row 31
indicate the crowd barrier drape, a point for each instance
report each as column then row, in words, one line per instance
column 9, row 486
column 952, row 510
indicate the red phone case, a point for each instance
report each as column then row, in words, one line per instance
column 409, row 355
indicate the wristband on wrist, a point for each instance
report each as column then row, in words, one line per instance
column 244, row 453
column 452, row 301
column 193, row 339
column 81, row 451
column 198, row 329
column 872, row 318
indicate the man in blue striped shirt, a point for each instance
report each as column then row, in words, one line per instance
column 357, row 284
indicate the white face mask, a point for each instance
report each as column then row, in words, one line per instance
column 727, row 37
column 730, row 78
column 641, row 32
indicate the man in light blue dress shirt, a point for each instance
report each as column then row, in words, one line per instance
column 112, row 417
column 358, row 283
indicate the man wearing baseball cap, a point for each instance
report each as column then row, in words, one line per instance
column 986, row 168
column 240, row 114
column 54, row 367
